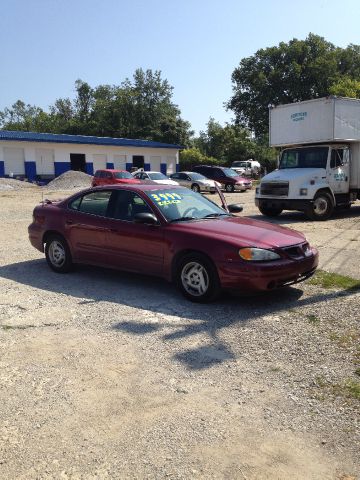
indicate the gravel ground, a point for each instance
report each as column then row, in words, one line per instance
column 70, row 180
column 107, row 375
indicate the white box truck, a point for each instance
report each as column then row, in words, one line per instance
column 319, row 164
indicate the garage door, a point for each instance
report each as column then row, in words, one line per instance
column 120, row 162
column 99, row 161
column 14, row 159
column 45, row 161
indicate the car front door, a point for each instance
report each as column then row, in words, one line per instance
column 136, row 247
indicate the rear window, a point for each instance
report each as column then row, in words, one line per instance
column 123, row 175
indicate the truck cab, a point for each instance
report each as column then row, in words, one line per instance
column 312, row 177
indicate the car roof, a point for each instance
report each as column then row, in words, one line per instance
column 138, row 186
column 111, row 170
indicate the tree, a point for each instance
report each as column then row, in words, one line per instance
column 291, row 72
column 193, row 156
column 138, row 108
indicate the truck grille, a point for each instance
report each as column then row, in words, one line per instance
column 276, row 189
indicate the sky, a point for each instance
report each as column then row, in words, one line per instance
column 46, row 45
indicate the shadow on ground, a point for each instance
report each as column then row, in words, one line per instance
column 94, row 285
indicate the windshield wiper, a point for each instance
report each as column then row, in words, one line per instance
column 216, row 215
column 183, row 219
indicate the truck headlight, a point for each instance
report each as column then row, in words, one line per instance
column 254, row 254
column 303, row 191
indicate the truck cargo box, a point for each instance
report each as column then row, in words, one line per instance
column 330, row 119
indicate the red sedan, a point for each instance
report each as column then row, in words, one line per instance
column 174, row 233
column 111, row 177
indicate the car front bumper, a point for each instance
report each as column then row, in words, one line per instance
column 243, row 187
column 266, row 276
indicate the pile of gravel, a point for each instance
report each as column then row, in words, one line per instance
column 70, row 180
column 13, row 184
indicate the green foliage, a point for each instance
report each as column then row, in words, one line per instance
column 334, row 280
column 138, row 108
column 290, row 72
column 346, row 87
column 233, row 142
column 193, row 156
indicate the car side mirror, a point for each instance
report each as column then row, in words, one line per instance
column 235, row 208
column 145, row 217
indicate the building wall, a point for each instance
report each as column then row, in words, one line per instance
column 32, row 159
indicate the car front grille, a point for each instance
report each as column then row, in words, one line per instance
column 278, row 189
column 297, row 251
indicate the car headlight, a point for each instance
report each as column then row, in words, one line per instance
column 254, row 254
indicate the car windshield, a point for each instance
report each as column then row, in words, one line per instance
column 239, row 164
column 122, row 175
column 197, row 176
column 315, row 157
column 229, row 172
column 157, row 176
column 183, row 204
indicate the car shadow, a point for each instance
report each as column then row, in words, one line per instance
column 95, row 285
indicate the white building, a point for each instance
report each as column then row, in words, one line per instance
column 45, row 155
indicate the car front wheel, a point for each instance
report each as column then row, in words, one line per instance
column 58, row 254
column 195, row 187
column 197, row 278
column 229, row 187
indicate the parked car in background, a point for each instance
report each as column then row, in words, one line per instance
column 156, row 177
column 110, row 176
column 247, row 168
column 171, row 232
column 195, row 181
column 228, row 178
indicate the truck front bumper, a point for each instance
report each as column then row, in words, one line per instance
column 283, row 203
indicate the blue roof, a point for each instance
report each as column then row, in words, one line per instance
column 82, row 139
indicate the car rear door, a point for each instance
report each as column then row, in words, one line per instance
column 86, row 228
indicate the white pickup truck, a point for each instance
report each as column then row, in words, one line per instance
column 319, row 165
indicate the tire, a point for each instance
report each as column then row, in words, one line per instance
column 197, row 278
column 229, row 188
column 270, row 212
column 321, row 208
column 58, row 254
column 195, row 187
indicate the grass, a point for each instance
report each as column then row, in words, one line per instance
column 313, row 318
column 334, row 280
column 348, row 389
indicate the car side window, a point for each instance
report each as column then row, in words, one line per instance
column 176, row 175
column 97, row 174
column 95, row 203
column 182, row 176
column 108, row 175
column 126, row 205
column 219, row 173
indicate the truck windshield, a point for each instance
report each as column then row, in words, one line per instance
column 312, row 157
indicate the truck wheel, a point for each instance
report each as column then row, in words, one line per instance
column 270, row 211
column 321, row 208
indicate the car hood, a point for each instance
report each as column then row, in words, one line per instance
column 286, row 174
column 127, row 180
column 242, row 231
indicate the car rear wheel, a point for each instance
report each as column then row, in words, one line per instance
column 195, row 187
column 229, row 187
column 197, row 278
column 58, row 254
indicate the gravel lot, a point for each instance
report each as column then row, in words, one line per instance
column 106, row 375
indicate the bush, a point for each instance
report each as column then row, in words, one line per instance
column 192, row 156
